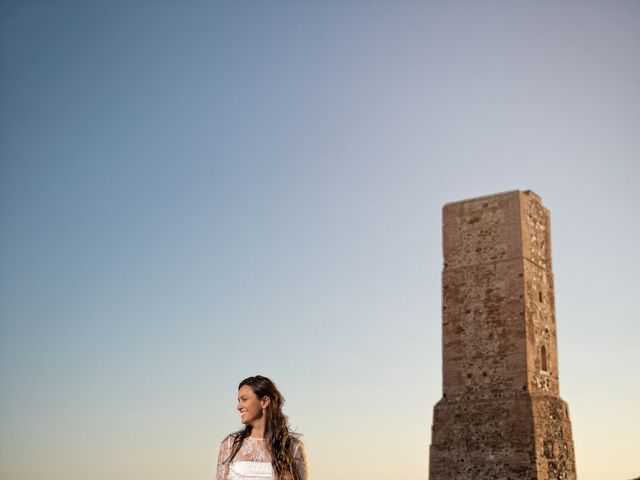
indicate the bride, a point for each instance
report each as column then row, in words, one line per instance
column 266, row 448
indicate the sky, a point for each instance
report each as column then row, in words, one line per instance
column 195, row 192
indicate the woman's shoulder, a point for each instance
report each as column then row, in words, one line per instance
column 296, row 442
column 229, row 439
column 296, row 438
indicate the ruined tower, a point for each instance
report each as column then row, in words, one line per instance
column 500, row 416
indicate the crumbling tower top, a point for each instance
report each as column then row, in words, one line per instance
column 498, row 309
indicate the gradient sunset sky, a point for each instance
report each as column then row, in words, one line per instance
column 195, row 192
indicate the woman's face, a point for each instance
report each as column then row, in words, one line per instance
column 249, row 405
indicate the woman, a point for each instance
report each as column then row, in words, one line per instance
column 265, row 448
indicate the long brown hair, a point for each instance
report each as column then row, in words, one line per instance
column 279, row 439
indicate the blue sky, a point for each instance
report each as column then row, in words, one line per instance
column 195, row 192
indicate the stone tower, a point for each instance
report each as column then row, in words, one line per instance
column 500, row 416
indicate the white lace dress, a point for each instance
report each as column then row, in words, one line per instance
column 253, row 462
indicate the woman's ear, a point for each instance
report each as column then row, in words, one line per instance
column 265, row 402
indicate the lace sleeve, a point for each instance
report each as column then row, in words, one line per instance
column 222, row 471
column 301, row 471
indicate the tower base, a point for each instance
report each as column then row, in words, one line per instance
column 502, row 437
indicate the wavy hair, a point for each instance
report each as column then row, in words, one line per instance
column 279, row 439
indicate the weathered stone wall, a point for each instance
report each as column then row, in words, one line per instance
column 490, row 438
column 500, row 416
column 542, row 355
column 484, row 339
column 555, row 456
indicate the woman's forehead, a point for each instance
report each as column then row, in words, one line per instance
column 245, row 390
